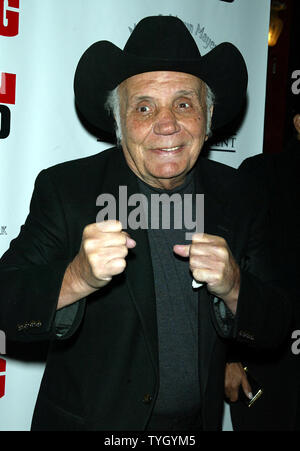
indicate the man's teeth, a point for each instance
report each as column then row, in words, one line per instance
column 169, row 149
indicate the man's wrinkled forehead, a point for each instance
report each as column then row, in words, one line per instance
column 186, row 84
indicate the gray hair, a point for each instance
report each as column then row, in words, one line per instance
column 113, row 107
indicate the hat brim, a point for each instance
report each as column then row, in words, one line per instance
column 104, row 66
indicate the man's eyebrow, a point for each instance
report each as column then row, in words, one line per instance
column 140, row 98
column 185, row 92
column 181, row 92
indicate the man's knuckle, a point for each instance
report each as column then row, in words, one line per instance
column 119, row 264
column 124, row 250
column 93, row 260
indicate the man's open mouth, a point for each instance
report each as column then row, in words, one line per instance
column 168, row 149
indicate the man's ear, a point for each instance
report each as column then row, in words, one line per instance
column 211, row 110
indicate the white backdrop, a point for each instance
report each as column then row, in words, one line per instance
column 40, row 45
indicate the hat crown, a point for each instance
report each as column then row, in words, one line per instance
column 162, row 37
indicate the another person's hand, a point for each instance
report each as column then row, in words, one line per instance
column 212, row 262
column 235, row 376
column 296, row 121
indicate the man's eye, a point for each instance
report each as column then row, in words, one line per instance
column 143, row 109
column 183, row 105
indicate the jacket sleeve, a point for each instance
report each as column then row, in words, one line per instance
column 32, row 270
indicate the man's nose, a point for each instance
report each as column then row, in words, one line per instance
column 166, row 123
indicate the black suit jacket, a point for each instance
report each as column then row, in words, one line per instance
column 278, row 372
column 102, row 368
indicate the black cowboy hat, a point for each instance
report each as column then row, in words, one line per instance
column 159, row 43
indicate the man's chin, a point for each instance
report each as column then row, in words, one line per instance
column 167, row 179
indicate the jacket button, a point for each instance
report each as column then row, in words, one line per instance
column 147, row 398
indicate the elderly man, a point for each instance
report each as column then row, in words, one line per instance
column 135, row 344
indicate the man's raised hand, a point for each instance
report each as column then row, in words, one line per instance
column 102, row 255
column 211, row 262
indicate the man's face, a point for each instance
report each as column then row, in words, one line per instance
column 163, row 121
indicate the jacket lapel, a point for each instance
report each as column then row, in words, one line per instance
column 138, row 273
column 216, row 222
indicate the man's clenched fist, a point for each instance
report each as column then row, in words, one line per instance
column 102, row 255
column 211, row 262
